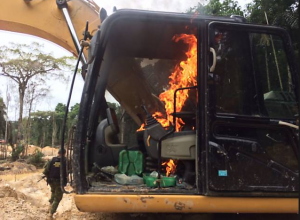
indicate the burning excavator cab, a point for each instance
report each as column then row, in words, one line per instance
column 205, row 89
column 148, row 75
column 184, row 75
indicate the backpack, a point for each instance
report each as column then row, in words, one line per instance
column 54, row 172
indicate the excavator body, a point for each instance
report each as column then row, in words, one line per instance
column 179, row 113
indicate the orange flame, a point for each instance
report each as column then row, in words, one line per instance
column 184, row 75
column 170, row 167
column 160, row 118
column 141, row 128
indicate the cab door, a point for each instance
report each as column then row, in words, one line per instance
column 253, row 110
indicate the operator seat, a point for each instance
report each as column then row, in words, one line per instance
column 107, row 142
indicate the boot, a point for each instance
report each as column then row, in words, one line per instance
column 54, row 216
column 49, row 209
column 50, row 216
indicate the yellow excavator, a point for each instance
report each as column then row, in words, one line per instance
column 207, row 109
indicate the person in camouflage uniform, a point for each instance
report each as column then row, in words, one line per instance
column 52, row 172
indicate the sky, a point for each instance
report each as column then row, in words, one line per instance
column 59, row 91
column 156, row 5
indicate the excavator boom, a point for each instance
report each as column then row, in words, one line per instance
column 43, row 18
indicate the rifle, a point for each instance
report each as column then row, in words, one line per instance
column 43, row 177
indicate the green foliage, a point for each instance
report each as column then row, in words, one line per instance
column 280, row 13
column 218, row 7
column 16, row 152
column 59, row 117
column 73, row 114
column 12, row 133
column 29, row 60
column 28, row 64
column 36, row 159
column 41, row 126
column 61, row 108
column 43, row 123
column 273, row 8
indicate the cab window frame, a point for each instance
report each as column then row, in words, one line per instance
column 256, row 29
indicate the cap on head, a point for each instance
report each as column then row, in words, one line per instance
column 61, row 152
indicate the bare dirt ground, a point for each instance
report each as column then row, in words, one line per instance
column 22, row 197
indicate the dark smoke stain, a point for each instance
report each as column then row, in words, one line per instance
column 179, row 206
column 144, row 199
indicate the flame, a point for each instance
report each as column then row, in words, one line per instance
column 160, row 118
column 184, row 75
column 141, row 128
column 170, row 167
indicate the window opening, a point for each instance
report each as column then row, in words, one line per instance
column 254, row 74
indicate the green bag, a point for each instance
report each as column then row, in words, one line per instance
column 131, row 162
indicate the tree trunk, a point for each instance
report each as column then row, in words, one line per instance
column 43, row 139
column 10, row 138
column 20, row 126
column 54, row 130
column 28, row 130
column 5, row 153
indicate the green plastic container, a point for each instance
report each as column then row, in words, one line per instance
column 131, row 162
column 149, row 180
column 167, row 181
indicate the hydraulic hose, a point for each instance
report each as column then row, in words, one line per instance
column 62, row 166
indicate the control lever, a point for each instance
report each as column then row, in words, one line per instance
column 154, row 129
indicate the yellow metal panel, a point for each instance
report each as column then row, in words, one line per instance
column 183, row 203
column 43, row 19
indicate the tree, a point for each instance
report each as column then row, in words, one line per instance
column 73, row 115
column 48, row 125
column 60, row 107
column 59, row 117
column 2, row 117
column 217, row 7
column 35, row 92
column 280, row 13
column 54, row 130
column 41, row 123
column 27, row 63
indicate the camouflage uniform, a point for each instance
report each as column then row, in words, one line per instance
column 51, row 167
column 56, row 195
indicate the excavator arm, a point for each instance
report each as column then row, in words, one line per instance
column 51, row 20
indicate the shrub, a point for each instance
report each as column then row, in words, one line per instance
column 36, row 159
column 15, row 154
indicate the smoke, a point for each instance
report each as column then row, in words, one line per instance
column 180, row 6
column 151, row 5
